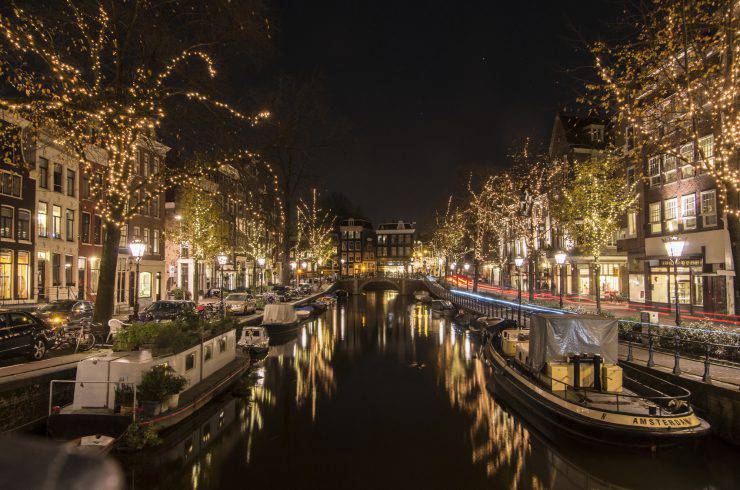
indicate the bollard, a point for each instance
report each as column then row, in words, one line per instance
column 629, row 347
column 706, row 377
column 650, row 361
column 676, row 357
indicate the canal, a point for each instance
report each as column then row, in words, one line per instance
column 378, row 393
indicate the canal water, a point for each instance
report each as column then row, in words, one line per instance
column 378, row 393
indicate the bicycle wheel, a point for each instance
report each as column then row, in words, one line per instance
column 86, row 342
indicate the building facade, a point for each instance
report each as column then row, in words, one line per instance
column 357, row 247
column 395, row 246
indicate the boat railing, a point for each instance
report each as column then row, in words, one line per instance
column 117, row 384
column 663, row 403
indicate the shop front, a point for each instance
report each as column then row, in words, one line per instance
column 690, row 278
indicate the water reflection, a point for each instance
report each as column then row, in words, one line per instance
column 379, row 393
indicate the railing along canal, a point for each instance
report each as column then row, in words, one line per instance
column 666, row 339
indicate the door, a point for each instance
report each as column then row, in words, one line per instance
column 41, row 278
column 81, row 278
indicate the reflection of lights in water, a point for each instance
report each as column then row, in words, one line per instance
column 452, row 334
column 259, row 376
column 304, row 337
column 363, row 320
column 342, row 322
column 195, row 475
column 467, row 347
column 441, row 333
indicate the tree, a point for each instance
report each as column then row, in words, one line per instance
column 448, row 239
column 200, row 229
column 673, row 79
column 592, row 204
column 98, row 79
column 480, row 224
column 315, row 231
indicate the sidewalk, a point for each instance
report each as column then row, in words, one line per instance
column 621, row 310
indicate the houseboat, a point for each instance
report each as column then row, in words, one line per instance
column 96, row 407
column 279, row 317
column 565, row 376
column 254, row 340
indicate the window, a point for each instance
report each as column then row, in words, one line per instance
column 709, row 207
column 654, row 171
column 57, row 178
column 56, row 222
column 6, row 274
column 687, row 159
column 208, row 353
column 706, row 150
column 688, row 211
column 70, row 230
column 42, row 216
column 43, row 173
column 23, row 276
column 97, row 230
column 669, row 167
column 137, row 234
column 222, row 344
column 70, row 182
column 68, row 277
column 670, row 207
column 85, row 228
column 632, row 224
column 145, row 239
column 84, row 185
column 6, row 222
column 190, row 361
column 56, row 266
column 94, row 273
column 11, row 184
column 123, row 242
column 24, row 224
column 155, row 207
column 155, row 241
column 654, row 215
column 145, row 285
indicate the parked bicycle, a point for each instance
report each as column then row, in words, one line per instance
column 78, row 336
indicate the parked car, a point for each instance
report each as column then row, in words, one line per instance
column 24, row 334
column 240, row 303
column 163, row 310
column 64, row 312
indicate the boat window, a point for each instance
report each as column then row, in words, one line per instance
column 208, row 353
column 256, row 333
column 222, row 344
column 190, row 361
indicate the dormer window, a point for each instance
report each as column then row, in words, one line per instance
column 596, row 133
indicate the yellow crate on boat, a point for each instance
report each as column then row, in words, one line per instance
column 611, row 378
column 522, row 352
column 509, row 339
column 586, row 375
column 560, row 374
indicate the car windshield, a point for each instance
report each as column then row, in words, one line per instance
column 236, row 297
column 56, row 306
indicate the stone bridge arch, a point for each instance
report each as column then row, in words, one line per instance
column 404, row 286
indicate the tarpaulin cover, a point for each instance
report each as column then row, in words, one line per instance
column 279, row 314
column 554, row 337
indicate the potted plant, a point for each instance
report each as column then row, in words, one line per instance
column 152, row 390
column 124, row 399
column 175, row 385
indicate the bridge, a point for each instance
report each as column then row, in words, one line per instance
column 358, row 284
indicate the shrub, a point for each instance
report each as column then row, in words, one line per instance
column 179, row 293
column 175, row 384
column 154, row 384
column 125, row 395
column 138, row 437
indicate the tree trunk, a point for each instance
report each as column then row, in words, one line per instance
column 733, row 228
column 287, row 236
column 597, row 277
column 105, row 297
column 530, row 275
column 196, row 281
column 476, row 264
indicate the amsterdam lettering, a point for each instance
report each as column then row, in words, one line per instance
column 685, row 422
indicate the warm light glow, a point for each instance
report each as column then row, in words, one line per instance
column 453, row 266
column 518, row 262
column 467, row 266
column 560, row 258
column 222, row 259
column 674, row 246
column 293, row 265
column 304, row 264
column 178, row 217
column 261, row 261
column 137, row 248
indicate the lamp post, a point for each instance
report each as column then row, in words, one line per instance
column 137, row 248
column 293, row 266
column 560, row 259
column 261, row 263
column 518, row 262
column 222, row 260
column 466, row 266
column 674, row 246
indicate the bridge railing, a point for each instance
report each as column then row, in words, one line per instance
column 680, row 342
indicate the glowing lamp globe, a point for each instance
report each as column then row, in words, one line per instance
column 674, row 246
column 304, row 264
column 518, row 261
column 293, row 265
column 560, row 258
column 261, row 261
column 137, row 248
column 467, row 266
column 222, row 259
column 441, row 261
column 453, row 266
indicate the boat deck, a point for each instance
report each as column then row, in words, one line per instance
column 615, row 402
column 192, row 394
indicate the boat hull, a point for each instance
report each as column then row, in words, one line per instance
column 554, row 418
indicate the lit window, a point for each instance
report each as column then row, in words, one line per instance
column 688, row 211
column 687, row 159
column 706, row 150
column 145, row 285
column 632, row 224
column 654, row 171
column 654, row 215
column 671, row 214
column 42, row 216
column 709, row 207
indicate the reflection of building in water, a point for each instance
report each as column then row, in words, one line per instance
column 312, row 364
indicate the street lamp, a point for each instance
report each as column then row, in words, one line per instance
column 343, row 261
column 518, row 262
column 222, row 260
column 137, row 248
column 304, row 266
column 560, row 259
column 674, row 246
column 261, row 263
column 467, row 279
column 293, row 265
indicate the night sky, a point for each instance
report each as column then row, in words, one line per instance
column 430, row 87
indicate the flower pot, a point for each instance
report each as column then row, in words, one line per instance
column 151, row 408
column 173, row 401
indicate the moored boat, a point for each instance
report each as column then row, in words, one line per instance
column 254, row 339
column 443, row 307
column 279, row 317
column 564, row 373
